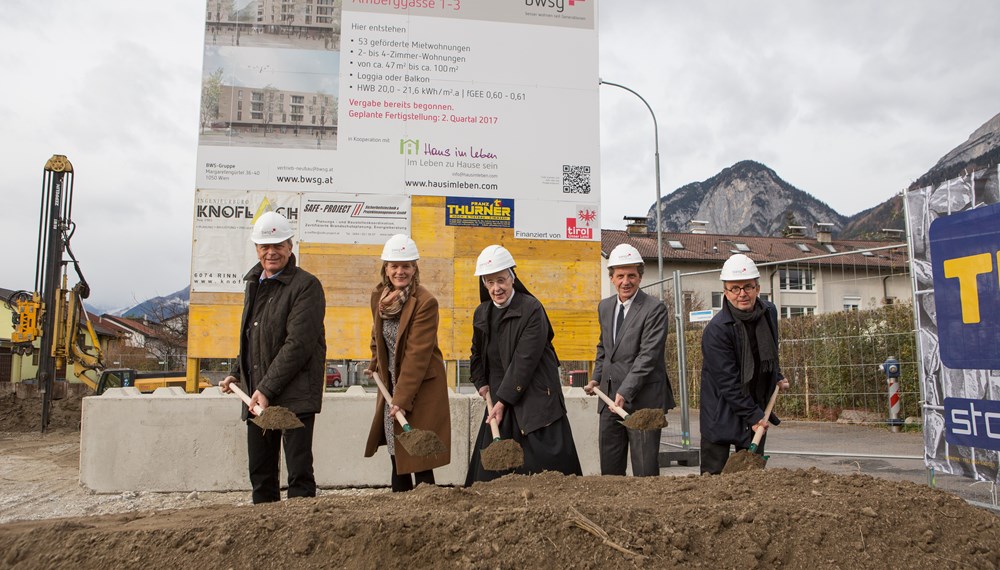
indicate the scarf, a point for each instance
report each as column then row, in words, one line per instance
column 754, row 319
column 390, row 304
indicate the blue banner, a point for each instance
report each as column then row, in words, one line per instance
column 964, row 248
column 972, row 423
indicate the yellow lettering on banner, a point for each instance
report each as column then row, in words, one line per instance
column 965, row 269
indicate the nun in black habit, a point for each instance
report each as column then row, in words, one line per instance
column 513, row 360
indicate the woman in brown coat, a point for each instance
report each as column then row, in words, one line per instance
column 406, row 356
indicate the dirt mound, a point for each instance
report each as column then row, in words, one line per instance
column 21, row 415
column 765, row 519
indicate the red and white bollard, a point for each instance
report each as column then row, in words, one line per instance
column 891, row 369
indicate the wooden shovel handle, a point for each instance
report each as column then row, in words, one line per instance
column 385, row 394
column 257, row 410
column 611, row 403
column 759, row 434
column 494, row 428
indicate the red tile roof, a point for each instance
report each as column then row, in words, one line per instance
column 714, row 249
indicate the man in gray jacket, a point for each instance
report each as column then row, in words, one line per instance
column 630, row 366
column 282, row 359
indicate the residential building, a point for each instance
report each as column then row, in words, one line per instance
column 801, row 275
column 268, row 109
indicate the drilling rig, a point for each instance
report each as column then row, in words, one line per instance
column 54, row 314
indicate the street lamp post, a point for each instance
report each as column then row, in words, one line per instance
column 656, row 140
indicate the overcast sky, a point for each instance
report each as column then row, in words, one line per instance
column 848, row 100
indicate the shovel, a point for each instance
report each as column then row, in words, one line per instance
column 416, row 442
column 272, row 417
column 645, row 419
column 501, row 454
column 748, row 459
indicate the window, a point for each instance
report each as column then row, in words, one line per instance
column 830, row 248
column 765, row 296
column 852, row 303
column 802, row 247
column 676, row 244
column 688, row 299
column 741, row 247
column 788, row 312
column 716, row 300
column 796, row 279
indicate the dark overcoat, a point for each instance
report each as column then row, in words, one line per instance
column 728, row 410
column 530, row 367
column 282, row 339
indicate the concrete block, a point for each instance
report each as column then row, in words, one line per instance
column 581, row 410
column 342, row 431
column 164, row 442
column 169, row 441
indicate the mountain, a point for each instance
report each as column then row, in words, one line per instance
column 981, row 150
column 158, row 309
column 747, row 198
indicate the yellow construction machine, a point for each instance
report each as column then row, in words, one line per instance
column 54, row 314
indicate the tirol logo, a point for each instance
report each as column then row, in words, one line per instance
column 409, row 146
column 586, row 216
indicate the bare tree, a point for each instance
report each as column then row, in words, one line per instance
column 271, row 106
column 324, row 109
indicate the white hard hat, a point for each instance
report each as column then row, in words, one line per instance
column 624, row 254
column 494, row 258
column 739, row 267
column 400, row 248
column 271, row 227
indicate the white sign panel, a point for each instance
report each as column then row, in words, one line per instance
column 223, row 219
column 701, row 316
column 539, row 219
column 460, row 98
column 353, row 218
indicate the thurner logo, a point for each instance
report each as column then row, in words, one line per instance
column 409, row 146
column 586, row 216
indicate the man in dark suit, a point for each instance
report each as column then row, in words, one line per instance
column 630, row 366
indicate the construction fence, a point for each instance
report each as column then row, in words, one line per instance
column 841, row 317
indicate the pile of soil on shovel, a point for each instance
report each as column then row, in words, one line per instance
column 21, row 415
column 766, row 519
column 277, row 417
column 421, row 442
column 645, row 419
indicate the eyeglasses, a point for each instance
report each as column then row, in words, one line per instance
column 746, row 289
column 501, row 281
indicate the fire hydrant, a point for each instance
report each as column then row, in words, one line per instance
column 891, row 370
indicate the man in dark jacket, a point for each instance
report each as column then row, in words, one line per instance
column 282, row 359
column 740, row 367
column 630, row 367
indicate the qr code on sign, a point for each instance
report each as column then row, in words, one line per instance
column 576, row 179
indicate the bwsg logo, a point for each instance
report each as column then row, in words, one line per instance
column 559, row 5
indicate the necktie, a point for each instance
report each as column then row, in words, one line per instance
column 620, row 320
